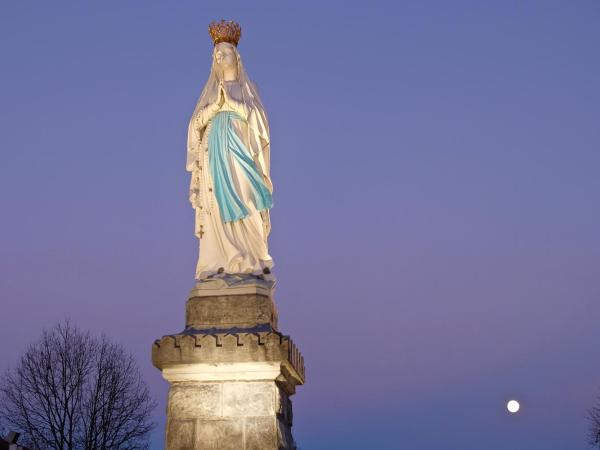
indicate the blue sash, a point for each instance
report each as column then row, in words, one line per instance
column 223, row 142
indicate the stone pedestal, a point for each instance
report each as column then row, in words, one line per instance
column 231, row 372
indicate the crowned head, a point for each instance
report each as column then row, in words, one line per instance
column 225, row 31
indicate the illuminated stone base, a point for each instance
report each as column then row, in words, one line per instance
column 227, row 414
column 229, row 388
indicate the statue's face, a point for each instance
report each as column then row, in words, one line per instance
column 224, row 56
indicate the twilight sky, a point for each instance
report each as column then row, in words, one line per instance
column 436, row 223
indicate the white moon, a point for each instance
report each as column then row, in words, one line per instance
column 513, row 406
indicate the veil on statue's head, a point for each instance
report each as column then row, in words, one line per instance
column 209, row 93
column 258, row 125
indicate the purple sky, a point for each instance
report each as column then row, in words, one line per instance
column 436, row 228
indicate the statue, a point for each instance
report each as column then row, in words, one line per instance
column 228, row 157
column 231, row 372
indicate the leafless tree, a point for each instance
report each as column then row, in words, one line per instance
column 594, row 431
column 73, row 391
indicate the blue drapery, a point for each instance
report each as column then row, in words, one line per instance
column 223, row 143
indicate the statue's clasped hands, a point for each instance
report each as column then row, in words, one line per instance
column 222, row 97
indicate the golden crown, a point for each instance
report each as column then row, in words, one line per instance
column 225, row 31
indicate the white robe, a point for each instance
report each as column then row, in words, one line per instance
column 233, row 247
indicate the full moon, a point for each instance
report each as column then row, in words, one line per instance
column 513, row 406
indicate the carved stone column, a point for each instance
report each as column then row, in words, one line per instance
column 231, row 372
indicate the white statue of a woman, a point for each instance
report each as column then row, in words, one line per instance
column 228, row 156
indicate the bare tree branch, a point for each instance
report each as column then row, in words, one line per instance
column 594, row 417
column 71, row 391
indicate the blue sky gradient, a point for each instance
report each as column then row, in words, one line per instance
column 435, row 230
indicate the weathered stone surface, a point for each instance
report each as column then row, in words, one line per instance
column 261, row 434
column 192, row 401
column 180, row 434
column 231, row 311
column 231, row 375
column 253, row 415
column 247, row 399
column 220, row 434
column 219, row 348
column 284, row 436
column 234, row 284
column 283, row 407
